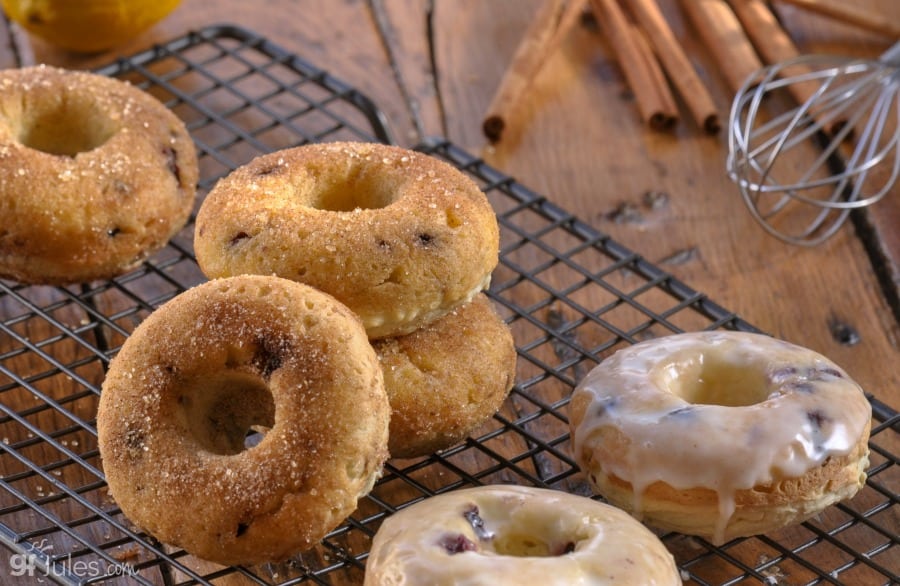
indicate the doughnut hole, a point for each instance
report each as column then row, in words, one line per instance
column 65, row 126
column 533, row 533
column 358, row 190
column 227, row 413
column 521, row 545
column 713, row 380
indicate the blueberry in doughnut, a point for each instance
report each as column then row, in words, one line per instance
column 225, row 359
column 398, row 236
column 721, row 434
column 95, row 175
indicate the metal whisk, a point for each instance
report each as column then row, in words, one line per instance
column 803, row 170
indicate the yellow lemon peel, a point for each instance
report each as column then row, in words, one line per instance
column 87, row 26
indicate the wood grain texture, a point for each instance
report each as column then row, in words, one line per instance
column 581, row 142
column 433, row 66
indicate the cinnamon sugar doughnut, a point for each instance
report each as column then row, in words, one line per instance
column 226, row 357
column 504, row 534
column 95, row 175
column 399, row 237
column 721, row 434
column 446, row 378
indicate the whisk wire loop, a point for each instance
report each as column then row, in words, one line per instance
column 801, row 170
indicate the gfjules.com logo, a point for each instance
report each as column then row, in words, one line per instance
column 31, row 567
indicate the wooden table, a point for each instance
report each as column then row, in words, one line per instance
column 432, row 67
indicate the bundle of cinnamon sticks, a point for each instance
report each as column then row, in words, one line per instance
column 741, row 36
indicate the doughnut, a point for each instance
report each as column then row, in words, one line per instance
column 257, row 355
column 399, row 237
column 445, row 379
column 95, row 175
column 506, row 534
column 720, row 434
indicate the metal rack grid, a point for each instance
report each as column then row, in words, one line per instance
column 241, row 96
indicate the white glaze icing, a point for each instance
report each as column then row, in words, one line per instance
column 721, row 410
column 496, row 535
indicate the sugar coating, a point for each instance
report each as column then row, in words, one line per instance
column 224, row 358
column 497, row 535
column 95, row 175
column 446, row 378
column 398, row 236
column 721, row 434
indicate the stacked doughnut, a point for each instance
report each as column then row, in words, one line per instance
column 404, row 240
column 344, row 321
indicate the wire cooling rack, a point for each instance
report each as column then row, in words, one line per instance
column 570, row 295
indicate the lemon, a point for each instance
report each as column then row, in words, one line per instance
column 89, row 25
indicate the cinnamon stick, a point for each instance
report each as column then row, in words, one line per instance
column 776, row 46
column 772, row 42
column 724, row 36
column 677, row 65
column 765, row 32
column 552, row 21
column 849, row 13
column 636, row 60
column 669, row 109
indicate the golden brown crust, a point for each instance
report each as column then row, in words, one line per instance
column 95, row 175
column 224, row 357
column 721, row 434
column 398, row 236
column 764, row 508
column 447, row 378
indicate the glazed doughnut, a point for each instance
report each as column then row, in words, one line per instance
column 224, row 358
column 399, row 237
column 721, row 434
column 446, row 378
column 95, row 175
column 504, row 534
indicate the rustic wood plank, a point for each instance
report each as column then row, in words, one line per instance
column 822, row 34
column 405, row 26
column 580, row 142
